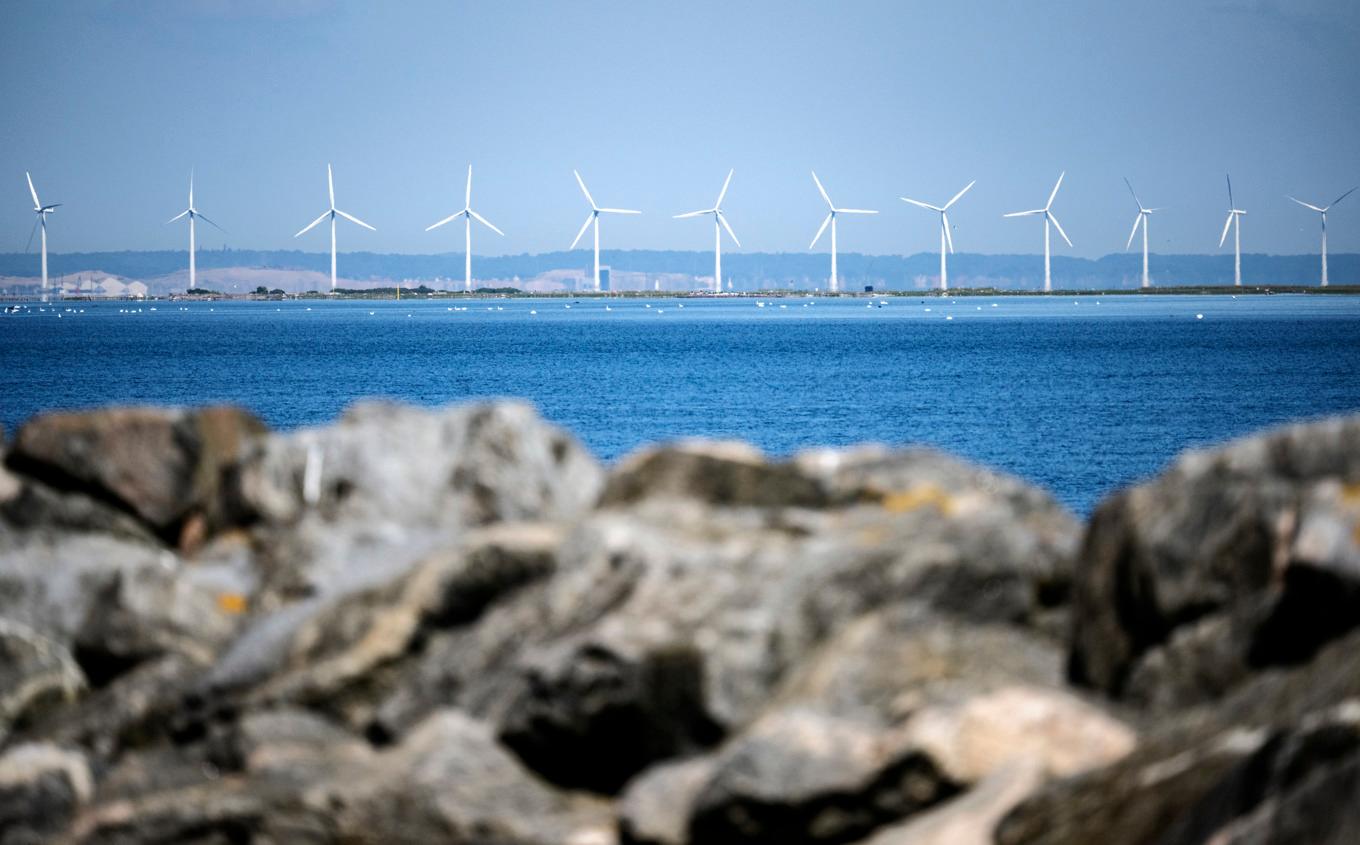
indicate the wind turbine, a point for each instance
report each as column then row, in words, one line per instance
column 831, row 218
column 946, row 239
column 1323, row 212
column 192, row 213
column 719, row 223
column 42, row 211
column 467, row 214
column 1141, row 219
column 1049, row 217
column 595, row 212
column 1234, row 220
column 331, row 213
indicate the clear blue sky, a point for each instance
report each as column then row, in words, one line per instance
column 111, row 103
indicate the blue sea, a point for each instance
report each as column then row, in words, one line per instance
column 1081, row 394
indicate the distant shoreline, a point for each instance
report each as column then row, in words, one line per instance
column 426, row 294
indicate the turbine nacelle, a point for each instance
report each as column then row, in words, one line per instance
column 595, row 210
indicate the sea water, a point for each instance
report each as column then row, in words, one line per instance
column 1079, row 394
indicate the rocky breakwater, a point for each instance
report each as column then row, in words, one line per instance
column 456, row 626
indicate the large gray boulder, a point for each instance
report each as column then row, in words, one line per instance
column 113, row 603
column 1235, row 559
column 36, row 674
column 166, row 467
column 387, row 483
column 672, row 619
column 41, row 788
column 901, row 710
column 1276, row 760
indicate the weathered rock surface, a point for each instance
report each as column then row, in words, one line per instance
column 162, row 466
column 670, row 622
column 41, row 788
column 456, row 626
column 35, row 673
column 386, row 484
column 1241, row 769
column 1236, row 559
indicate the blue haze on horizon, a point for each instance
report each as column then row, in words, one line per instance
column 110, row 105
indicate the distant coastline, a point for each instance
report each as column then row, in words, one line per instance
column 657, row 271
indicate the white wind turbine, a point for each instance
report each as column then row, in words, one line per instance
column 42, row 211
column 1049, row 217
column 831, row 218
column 192, row 213
column 332, row 212
column 946, row 239
column 468, row 214
column 719, row 223
column 1234, row 220
column 1141, row 219
column 595, row 212
column 1323, row 211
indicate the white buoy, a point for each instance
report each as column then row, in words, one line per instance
column 1199, row 316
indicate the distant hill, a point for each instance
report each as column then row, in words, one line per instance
column 677, row 269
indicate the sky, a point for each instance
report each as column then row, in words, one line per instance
column 110, row 104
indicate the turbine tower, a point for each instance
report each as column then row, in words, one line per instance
column 831, row 218
column 1047, row 212
column 332, row 212
column 42, row 211
column 1140, row 220
column 1323, row 211
column 946, row 239
column 595, row 212
column 192, row 213
column 468, row 214
column 719, row 223
column 1234, row 220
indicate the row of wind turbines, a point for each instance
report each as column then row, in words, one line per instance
column 720, row 225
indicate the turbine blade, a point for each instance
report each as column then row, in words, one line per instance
column 32, row 190
column 960, row 194
column 1230, row 198
column 822, row 190
column 1343, row 196
column 191, row 187
column 855, row 211
column 1024, row 213
column 944, row 227
column 693, row 213
column 31, row 233
column 330, row 183
column 485, row 222
column 618, row 210
column 1056, row 186
column 584, row 226
column 467, row 197
column 818, row 236
column 1226, row 224
column 204, row 218
column 723, row 220
column 1306, row 204
column 1136, row 221
column 351, row 218
column 723, row 192
column 1133, row 193
column 448, row 219
column 314, row 222
column 582, row 183
column 176, row 217
column 924, row 205
column 1059, row 227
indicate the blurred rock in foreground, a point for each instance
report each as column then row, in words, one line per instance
column 456, row 626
